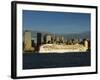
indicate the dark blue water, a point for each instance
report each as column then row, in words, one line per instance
column 54, row 60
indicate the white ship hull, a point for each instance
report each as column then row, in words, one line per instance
column 51, row 48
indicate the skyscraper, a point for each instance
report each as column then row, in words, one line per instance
column 27, row 41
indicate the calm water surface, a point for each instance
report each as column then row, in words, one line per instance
column 53, row 60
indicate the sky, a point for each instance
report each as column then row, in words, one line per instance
column 56, row 22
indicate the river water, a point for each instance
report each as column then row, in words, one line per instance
column 55, row 60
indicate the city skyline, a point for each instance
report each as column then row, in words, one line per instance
column 56, row 22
